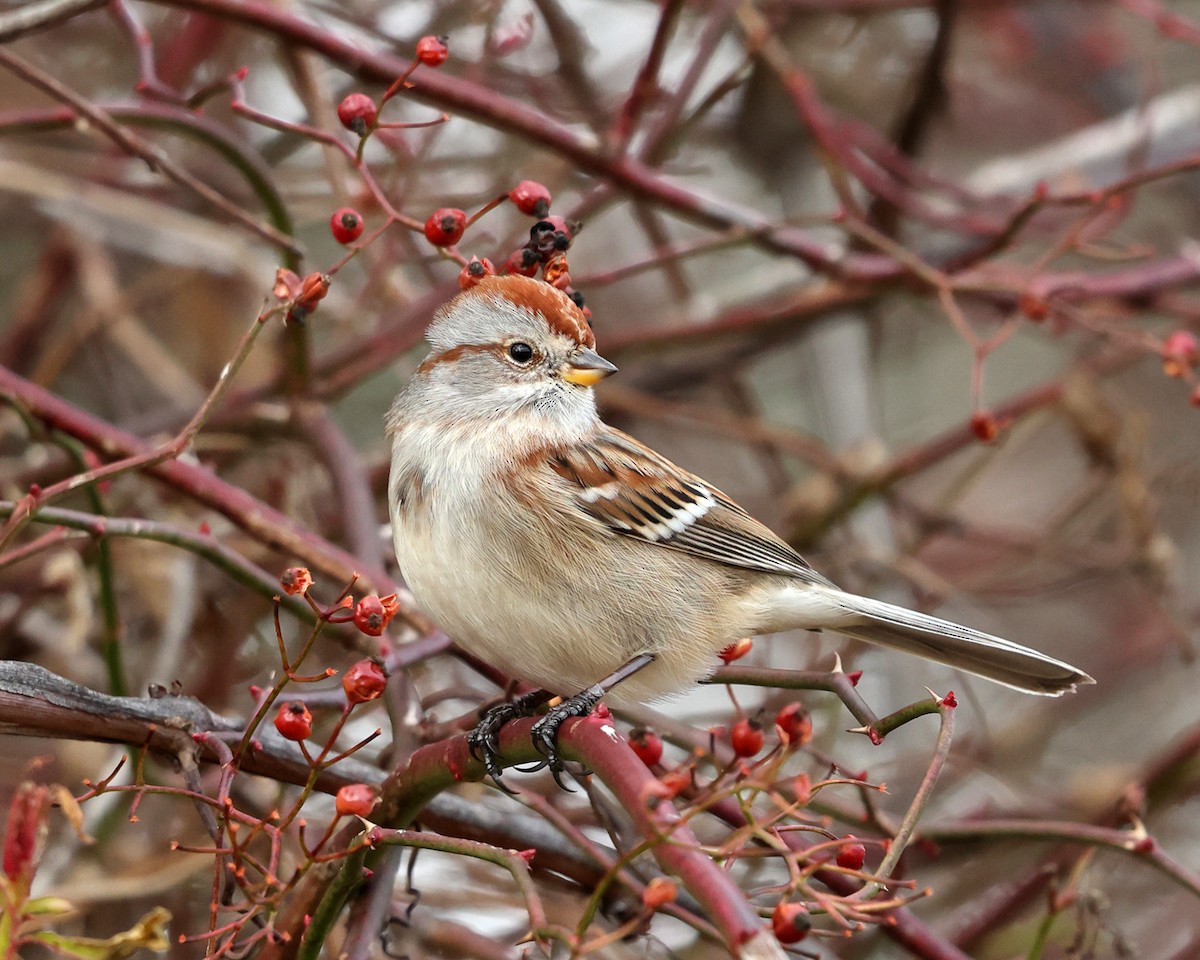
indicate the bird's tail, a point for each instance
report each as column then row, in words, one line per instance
column 957, row 646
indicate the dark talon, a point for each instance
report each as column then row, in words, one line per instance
column 545, row 731
column 483, row 742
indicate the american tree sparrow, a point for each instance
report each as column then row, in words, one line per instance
column 569, row 555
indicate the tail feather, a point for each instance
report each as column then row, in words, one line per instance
column 957, row 646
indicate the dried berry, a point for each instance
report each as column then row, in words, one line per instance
column 794, row 725
column 647, row 745
column 346, row 225
column 364, row 681
column 357, row 112
column 432, row 51
column 356, row 800
column 531, row 198
column 445, row 226
column 293, row 721
column 1180, row 352
column 296, row 580
column 985, row 426
column 370, row 616
column 524, row 261
column 475, row 271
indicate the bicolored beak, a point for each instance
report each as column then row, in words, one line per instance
column 586, row 367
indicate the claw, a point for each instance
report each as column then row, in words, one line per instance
column 483, row 742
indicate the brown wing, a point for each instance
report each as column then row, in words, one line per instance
column 637, row 493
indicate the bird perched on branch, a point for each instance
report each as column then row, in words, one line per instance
column 570, row 555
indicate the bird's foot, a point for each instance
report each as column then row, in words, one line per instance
column 545, row 731
column 484, row 741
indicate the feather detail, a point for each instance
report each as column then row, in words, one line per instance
column 637, row 493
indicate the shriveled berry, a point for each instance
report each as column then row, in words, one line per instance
column 313, row 289
column 296, row 580
column 432, row 51
column 790, row 922
column 445, row 226
column 369, row 616
column 746, row 737
column 346, row 225
column 364, row 681
column 356, row 800
column 659, row 892
column 357, row 112
column 531, row 198
column 647, row 745
column 794, row 725
column 474, row 271
column 524, row 261
column 294, row 721
column 851, row 855
column 736, row 650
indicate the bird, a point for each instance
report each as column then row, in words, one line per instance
column 573, row 557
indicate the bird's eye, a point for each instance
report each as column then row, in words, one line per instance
column 520, row 352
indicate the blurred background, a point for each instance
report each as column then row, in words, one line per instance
column 912, row 281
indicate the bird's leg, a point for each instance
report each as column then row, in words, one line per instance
column 545, row 731
column 483, row 741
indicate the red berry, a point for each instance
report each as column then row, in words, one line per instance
column 445, row 226
column 1180, row 352
column 647, row 745
column 851, row 855
column 531, row 198
column 790, row 922
column 356, row 800
column 1033, row 306
column 369, row 616
column 364, row 681
column 293, row 721
column 475, row 271
column 524, row 261
column 296, row 580
column 659, row 892
column 746, row 737
column 432, row 51
column 984, row 426
column 735, row 651
column 357, row 112
column 794, row 725
column 346, row 225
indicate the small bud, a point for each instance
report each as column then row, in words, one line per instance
column 854, row 676
column 659, row 892
column 949, row 701
column 1033, row 306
